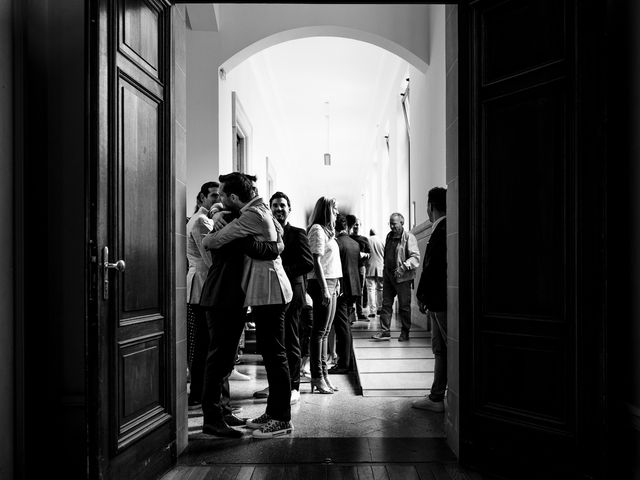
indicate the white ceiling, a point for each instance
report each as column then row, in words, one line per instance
column 356, row 78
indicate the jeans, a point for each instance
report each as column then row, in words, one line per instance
column 389, row 291
column 374, row 294
column 439, row 346
column 270, row 335
column 322, row 319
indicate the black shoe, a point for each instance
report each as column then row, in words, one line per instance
column 335, row 370
column 372, row 315
column 233, row 421
column 219, row 428
column 362, row 316
column 194, row 404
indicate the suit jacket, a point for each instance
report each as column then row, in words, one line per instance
column 198, row 226
column 223, row 285
column 432, row 288
column 364, row 248
column 349, row 257
column 263, row 281
column 296, row 256
column 376, row 260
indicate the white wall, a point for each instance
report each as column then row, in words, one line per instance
column 244, row 29
column 6, row 241
column 428, row 140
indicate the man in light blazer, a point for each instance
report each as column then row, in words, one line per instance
column 374, row 274
column 267, row 290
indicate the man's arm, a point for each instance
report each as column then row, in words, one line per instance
column 249, row 223
column 299, row 254
column 260, row 250
column 413, row 260
column 199, row 231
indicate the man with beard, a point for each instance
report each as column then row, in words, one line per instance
column 267, row 290
column 222, row 299
column 297, row 262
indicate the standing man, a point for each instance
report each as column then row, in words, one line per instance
column 267, row 291
column 374, row 274
column 401, row 258
column 223, row 300
column 198, row 226
column 432, row 297
column 297, row 262
column 353, row 224
column 349, row 292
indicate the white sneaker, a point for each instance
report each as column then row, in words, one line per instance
column 295, row 397
column 273, row 428
column 236, row 375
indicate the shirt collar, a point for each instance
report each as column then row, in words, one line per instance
column 250, row 203
column 435, row 224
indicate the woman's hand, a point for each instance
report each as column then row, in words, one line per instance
column 326, row 296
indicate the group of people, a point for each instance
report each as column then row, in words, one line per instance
column 244, row 253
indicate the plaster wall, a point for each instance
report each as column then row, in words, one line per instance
column 247, row 28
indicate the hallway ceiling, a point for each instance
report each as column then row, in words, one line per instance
column 357, row 79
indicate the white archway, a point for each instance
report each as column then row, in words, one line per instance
column 325, row 31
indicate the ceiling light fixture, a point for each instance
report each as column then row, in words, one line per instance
column 327, row 156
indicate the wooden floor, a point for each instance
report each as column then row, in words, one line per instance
column 421, row 471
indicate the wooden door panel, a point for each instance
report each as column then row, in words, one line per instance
column 520, row 36
column 141, row 228
column 140, row 35
column 523, row 167
column 517, row 375
column 141, row 390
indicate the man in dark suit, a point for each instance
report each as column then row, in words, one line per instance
column 223, row 299
column 297, row 262
column 432, row 297
column 353, row 224
column 349, row 292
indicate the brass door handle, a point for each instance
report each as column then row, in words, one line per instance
column 119, row 265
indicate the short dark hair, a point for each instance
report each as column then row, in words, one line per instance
column 437, row 197
column 240, row 184
column 341, row 222
column 204, row 190
column 280, row 195
column 372, row 232
column 351, row 220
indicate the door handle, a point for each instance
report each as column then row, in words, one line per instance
column 106, row 266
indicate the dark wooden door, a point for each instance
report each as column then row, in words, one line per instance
column 132, row 371
column 531, row 220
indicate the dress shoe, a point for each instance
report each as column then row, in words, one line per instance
column 361, row 316
column 219, row 428
column 403, row 338
column 233, row 421
column 372, row 315
column 264, row 393
column 427, row 404
column 194, row 404
column 379, row 337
